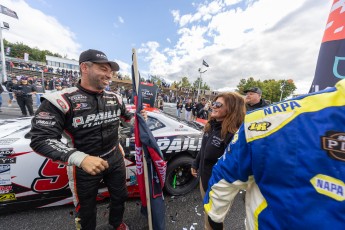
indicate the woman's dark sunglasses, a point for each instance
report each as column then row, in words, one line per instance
column 217, row 104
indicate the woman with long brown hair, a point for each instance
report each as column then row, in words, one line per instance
column 228, row 111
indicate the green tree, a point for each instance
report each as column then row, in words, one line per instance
column 272, row 90
column 156, row 80
column 176, row 85
column 203, row 85
column 35, row 54
column 185, row 83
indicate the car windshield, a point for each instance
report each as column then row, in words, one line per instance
column 192, row 124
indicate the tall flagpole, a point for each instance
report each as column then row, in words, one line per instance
column 147, row 191
column 4, row 76
column 201, row 72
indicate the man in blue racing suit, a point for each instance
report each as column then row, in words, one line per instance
column 290, row 157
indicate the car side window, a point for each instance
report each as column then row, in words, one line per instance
column 154, row 124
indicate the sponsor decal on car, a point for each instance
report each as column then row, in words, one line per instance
column 8, row 141
column 5, row 169
column 179, row 144
column 5, row 174
column 5, row 152
column 5, row 189
column 7, row 160
column 334, row 143
column 7, row 197
column 181, row 128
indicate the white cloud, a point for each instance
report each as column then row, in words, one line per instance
column 125, row 68
column 265, row 39
column 121, row 20
column 36, row 29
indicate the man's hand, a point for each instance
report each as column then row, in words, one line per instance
column 94, row 165
column 144, row 114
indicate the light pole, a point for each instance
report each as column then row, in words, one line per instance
column 282, row 90
column 201, row 72
column 4, row 77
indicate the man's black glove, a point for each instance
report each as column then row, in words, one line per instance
column 214, row 225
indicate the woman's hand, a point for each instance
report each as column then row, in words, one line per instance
column 194, row 172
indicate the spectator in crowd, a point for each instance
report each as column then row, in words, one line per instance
column 39, row 91
column 9, row 85
column 179, row 107
column 58, row 87
column 160, row 102
column 253, row 99
column 199, row 108
column 52, row 83
column 30, row 80
column 23, row 93
column 91, row 157
column 291, row 162
column 203, row 113
column 188, row 109
column 228, row 111
column 194, row 103
column 129, row 96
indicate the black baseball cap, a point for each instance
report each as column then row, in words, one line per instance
column 96, row 56
column 254, row 90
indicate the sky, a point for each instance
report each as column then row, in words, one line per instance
column 263, row 39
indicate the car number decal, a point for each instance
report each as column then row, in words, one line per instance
column 53, row 176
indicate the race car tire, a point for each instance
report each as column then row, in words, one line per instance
column 179, row 179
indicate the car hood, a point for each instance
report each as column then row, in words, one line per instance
column 10, row 127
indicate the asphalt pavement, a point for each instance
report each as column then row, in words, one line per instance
column 182, row 212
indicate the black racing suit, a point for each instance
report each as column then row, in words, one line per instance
column 90, row 122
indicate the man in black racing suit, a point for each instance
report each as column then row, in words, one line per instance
column 88, row 116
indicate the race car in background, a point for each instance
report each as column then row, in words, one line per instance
column 28, row 180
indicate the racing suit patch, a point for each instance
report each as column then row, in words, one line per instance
column 329, row 186
column 334, row 144
column 96, row 119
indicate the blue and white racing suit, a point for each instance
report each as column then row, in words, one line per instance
column 290, row 157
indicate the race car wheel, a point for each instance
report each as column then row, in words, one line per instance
column 179, row 179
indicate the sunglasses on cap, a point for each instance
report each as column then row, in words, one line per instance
column 217, row 104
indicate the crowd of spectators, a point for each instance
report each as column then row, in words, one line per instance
column 40, row 68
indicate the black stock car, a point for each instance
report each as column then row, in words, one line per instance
column 28, row 180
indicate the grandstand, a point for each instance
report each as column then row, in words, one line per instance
column 53, row 68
